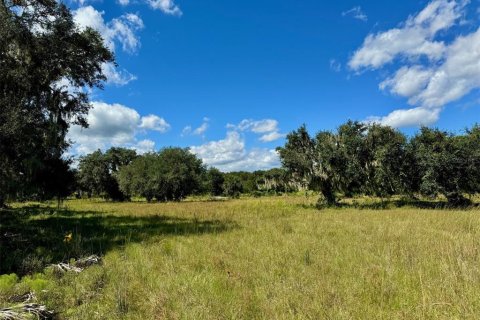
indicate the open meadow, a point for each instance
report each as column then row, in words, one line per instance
column 252, row 258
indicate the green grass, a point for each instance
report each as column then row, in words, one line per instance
column 265, row 258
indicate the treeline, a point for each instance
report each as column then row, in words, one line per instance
column 375, row 160
column 170, row 174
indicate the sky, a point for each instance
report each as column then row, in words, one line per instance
column 229, row 79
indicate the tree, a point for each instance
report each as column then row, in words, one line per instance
column 214, row 180
column 232, row 186
column 297, row 155
column 97, row 172
column 356, row 159
column 446, row 163
column 170, row 174
column 385, row 149
column 45, row 62
column 312, row 161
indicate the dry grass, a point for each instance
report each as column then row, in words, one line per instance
column 270, row 258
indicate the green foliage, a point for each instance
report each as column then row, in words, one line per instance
column 214, row 182
column 447, row 164
column 378, row 160
column 41, row 49
column 97, row 172
column 232, row 186
column 170, row 174
column 7, row 282
column 36, row 282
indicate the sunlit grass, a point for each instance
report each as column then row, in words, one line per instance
column 269, row 258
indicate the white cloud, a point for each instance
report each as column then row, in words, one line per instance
column 116, row 76
column 199, row 131
column 413, row 39
column 272, row 136
column 357, row 13
column 230, row 154
column 144, row 146
column 122, row 29
column 112, row 125
column 124, row 2
column 153, row 122
column 267, row 127
column 259, row 126
column 186, row 130
column 166, row 6
column 407, row 81
column 408, row 117
column 451, row 72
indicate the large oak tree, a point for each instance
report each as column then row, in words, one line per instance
column 46, row 63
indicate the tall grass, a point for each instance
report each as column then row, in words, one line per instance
column 269, row 258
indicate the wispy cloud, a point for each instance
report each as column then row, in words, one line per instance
column 356, row 13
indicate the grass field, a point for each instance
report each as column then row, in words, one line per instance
column 265, row 258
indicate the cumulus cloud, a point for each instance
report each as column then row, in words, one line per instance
column 436, row 85
column 153, row 122
column 356, row 13
column 230, row 154
column 414, row 38
column 144, row 146
column 122, row 29
column 408, row 117
column 450, row 72
column 272, row 136
column 267, row 127
column 166, row 6
column 113, row 125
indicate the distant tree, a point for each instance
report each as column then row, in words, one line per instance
column 45, row 62
column 349, row 157
column 117, row 157
column 445, row 164
column 470, row 146
column 214, row 180
column 297, row 156
column 356, row 159
column 385, row 159
column 170, row 174
column 232, row 186
column 97, row 172
column 275, row 180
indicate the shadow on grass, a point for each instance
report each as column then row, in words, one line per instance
column 396, row 203
column 32, row 237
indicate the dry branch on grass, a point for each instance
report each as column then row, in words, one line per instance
column 25, row 311
column 78, row 266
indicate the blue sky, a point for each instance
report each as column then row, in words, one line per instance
column 230, row 78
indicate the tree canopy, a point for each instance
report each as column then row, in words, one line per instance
column 45, row 64
column 377, row 160
column 170, row 174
